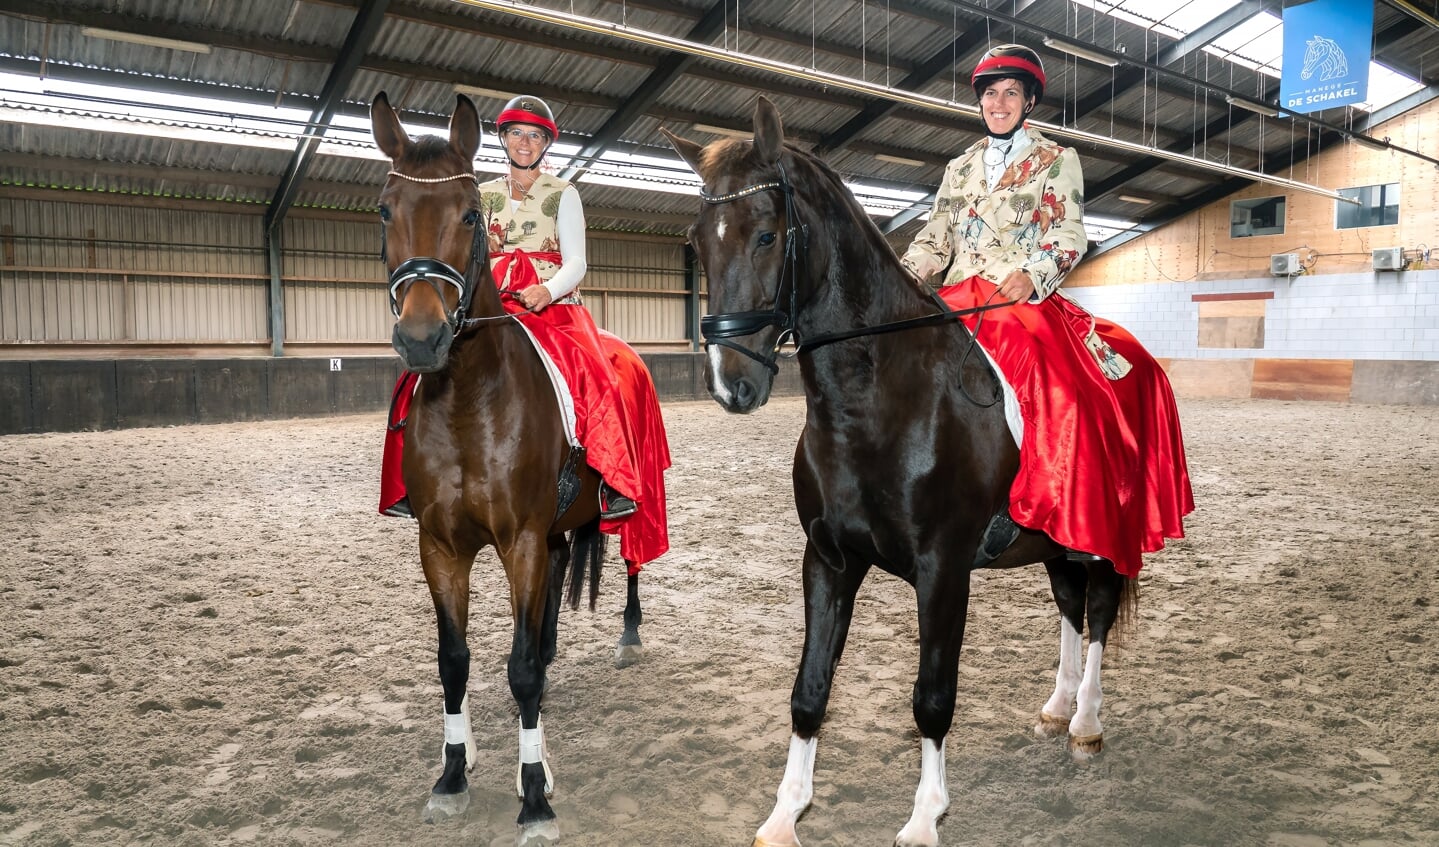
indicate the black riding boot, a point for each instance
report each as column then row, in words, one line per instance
column 614, row 504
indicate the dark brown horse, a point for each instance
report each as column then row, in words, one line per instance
column 486, row 452
column 905, row 457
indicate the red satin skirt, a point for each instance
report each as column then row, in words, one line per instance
column 1102, row 467
column 617, row 419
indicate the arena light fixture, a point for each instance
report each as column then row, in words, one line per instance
column 1415, row 11
column 147, row 40
column 1251, row 106
column 898, row 160
column 897, row 95
column 721, row 130
column 479, row 91
column 1130, row 198
column 1081, row 52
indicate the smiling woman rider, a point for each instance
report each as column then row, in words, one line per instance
column 1102, row 468
column 536, row 233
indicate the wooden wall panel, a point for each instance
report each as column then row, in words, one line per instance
column 1303, row 379
column 1211, row 377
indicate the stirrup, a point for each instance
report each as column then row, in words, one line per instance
column 400, row 509
column 614, row 505
column 1001, row 532
column 1082, row 557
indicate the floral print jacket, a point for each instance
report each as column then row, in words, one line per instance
column 1032, row 220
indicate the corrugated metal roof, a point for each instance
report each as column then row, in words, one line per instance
column 272, row 51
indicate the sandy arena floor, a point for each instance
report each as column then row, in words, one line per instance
column 208, row 637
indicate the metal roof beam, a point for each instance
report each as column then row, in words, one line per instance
column 669, row 69
column 1130, row 76
column 1398, row 107
column 362, row 33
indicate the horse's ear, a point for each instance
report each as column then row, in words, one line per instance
column 465, row 128
column 688, row 150
column 768, row 131
column 390, row 137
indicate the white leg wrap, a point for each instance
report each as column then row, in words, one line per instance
column 931, row 799
column 457, row 731
column 1086, row 712
column 792, row 798
column 532, row 745
column 456, row 728
column 1066, row 680
column 532, row 752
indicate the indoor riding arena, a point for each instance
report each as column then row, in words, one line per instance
column 210, row 635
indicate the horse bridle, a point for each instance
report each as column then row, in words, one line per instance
column 720, row 328
column 437, row 273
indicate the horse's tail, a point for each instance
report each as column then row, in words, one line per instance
column 1126, row 622
column 587, row 552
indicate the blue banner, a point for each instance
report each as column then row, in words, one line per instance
column 1326, row 54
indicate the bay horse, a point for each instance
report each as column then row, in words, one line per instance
column 486, row 451
column 905, row 455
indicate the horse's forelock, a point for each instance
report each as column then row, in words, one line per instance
column 723, row 157
column 428, row 149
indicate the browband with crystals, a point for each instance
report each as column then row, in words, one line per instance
column 743, row 192
column 435, row 179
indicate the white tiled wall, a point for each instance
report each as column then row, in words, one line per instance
column 1342, row 316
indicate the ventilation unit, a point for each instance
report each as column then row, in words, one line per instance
column 1284, row 264
column 1389, row 259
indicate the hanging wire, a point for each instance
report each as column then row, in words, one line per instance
column 813, row 53
column 954, row 53
column 863, row 42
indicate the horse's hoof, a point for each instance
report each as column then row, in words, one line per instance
column 628, row 654
column 1050, row 726
column 542, row 834
column 760, row 842
column 1082, row 748
column 442, row 807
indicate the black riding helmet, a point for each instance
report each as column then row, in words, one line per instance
column 527, row 109
column 1010, row 61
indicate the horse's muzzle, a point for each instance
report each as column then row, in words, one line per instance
column 737, row 393
column 424, row 355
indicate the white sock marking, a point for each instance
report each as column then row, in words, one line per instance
column 792, row 798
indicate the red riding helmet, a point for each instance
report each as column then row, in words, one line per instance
column 527, row 109
column 1010, row 61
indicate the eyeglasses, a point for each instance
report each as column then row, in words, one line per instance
column 533, row 135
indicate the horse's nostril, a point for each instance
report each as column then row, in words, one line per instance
column 744, row 392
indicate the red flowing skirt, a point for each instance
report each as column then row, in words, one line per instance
column 1102, row 467
column 617, row 419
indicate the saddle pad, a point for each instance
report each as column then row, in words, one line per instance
column 1011, row 401
column 562, row 388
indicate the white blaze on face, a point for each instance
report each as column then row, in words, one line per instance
column 720, row 390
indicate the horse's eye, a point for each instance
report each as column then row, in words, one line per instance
column 471, row 217
column 766, row 239
column 385, row 213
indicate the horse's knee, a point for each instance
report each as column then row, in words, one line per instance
column 806, row 711
column 933, row 709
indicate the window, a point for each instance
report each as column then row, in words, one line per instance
column 1378, row 206
column 1260, row 216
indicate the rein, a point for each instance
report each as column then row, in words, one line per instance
column 720, row 328
column 437, row 273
